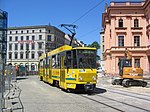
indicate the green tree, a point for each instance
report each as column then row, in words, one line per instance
column 95, row 44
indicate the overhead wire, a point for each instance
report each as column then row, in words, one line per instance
column 89, row 32
column 88, row 11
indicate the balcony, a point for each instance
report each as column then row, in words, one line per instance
column 131, row 48
column 121, row 29
column 124, row 3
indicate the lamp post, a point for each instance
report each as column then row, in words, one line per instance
column 27, row 53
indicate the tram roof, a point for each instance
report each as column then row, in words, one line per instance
column 60, row 49
column 89, row 48
column 42, row 56
column 63, row 48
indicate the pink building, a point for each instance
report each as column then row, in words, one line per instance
column 127, row 25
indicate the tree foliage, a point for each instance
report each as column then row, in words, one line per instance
column 95, row 44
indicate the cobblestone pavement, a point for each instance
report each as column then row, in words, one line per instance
column 38, row 96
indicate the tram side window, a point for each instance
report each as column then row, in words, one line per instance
column 56, row 61
column 41, row 64
column 48, row 64
column 74, row 59
column 68, row 59
column 44, row 63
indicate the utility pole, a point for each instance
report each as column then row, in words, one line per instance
column 70, row 28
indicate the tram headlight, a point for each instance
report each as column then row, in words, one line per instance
column 80, row 78
column 94, row 77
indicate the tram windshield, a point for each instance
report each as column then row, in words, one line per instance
column 83, row 58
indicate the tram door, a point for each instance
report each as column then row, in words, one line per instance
column 50, row 71
column 62, row 73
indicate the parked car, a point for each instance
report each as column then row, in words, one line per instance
column 99, row 70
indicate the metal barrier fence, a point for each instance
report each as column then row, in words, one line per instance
column 12, row 91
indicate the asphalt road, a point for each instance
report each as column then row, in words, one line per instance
column 38, row 96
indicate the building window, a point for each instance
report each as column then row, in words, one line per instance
column 10, row 46
column 33, row 37
column 40, row 54
column 49, row 38
column 10, row 32
column 27, row 55
column 33, row 46
column 16, row 32
column 21, row 46
column 21, row 55
column 40, row 31
column 120, row 40
column 27, row 31
column 32, row 66
column 137, row 63
column 10, row 55
column 40, row 45
column 16, row 46
column 136, row 40
column 32, row 31
column 49, row 31
column 21, row 37
column 21, row 31
column 10, row 38
column 32, row 55
column 27, row 37
column 120, row 23
column 27, row 46
column 103, row 48
column 16, row 38
column 102, row 38
column 136, row 23
column 40, row 37
column 16, row 55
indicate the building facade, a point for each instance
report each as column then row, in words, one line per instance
column 102, row 49
column 3, row 50
column 26, row 44
column 127, row 25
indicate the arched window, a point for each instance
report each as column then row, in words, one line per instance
column 136, row 23
column 120, row 23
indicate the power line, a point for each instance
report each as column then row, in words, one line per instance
column 88, row 12
column 89, row 32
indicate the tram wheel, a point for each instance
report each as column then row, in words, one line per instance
column 41, row 78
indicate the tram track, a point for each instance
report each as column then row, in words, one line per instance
column 102, row 103
column 130, row 94
column 114, row 100
column 123, row 103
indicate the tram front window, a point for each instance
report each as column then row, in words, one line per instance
column 84, row 59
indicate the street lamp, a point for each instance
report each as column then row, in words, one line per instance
column 27, row 54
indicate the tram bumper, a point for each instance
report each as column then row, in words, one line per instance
column 89, row 87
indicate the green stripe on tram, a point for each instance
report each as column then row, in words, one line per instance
column 55, row 77
column 70, row 78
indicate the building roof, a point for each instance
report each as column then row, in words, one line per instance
column 34, row 27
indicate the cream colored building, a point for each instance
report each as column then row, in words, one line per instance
column 25, row 44
column 127, row 25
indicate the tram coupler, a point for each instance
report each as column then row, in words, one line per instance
column 89, row 87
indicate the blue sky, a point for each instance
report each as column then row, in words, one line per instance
column 56, row 12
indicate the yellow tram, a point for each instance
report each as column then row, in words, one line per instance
column 69, row 68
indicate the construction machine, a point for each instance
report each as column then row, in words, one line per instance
column 129, row 75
